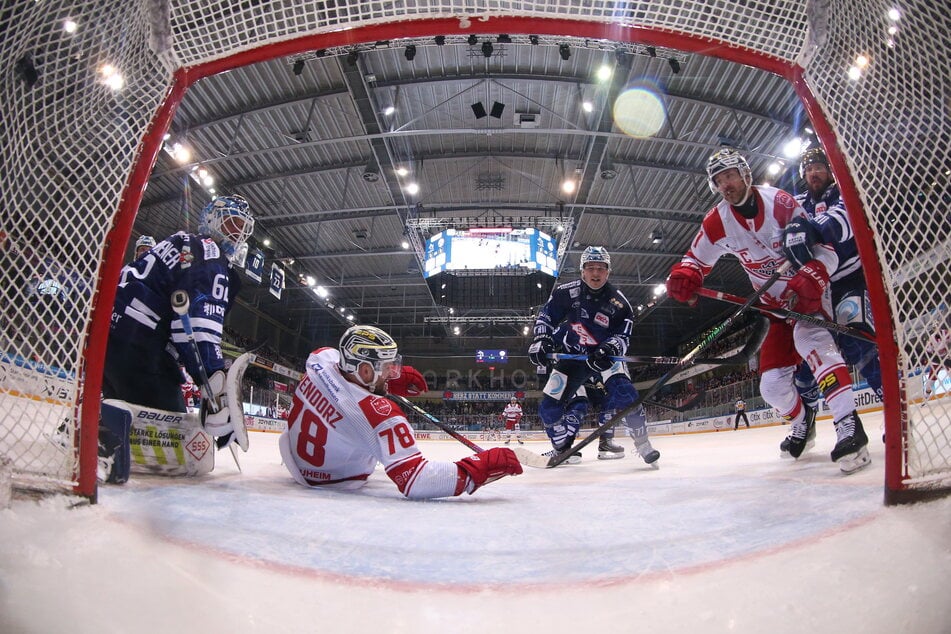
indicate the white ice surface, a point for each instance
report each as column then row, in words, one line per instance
column 724, row 537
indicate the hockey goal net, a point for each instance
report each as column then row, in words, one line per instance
column 90, row 89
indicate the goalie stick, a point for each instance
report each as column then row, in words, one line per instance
column 685, row 362
column 526, row 457
column 784, row 313
column 180, row 303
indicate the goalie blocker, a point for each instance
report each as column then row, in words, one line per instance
column 136, row 439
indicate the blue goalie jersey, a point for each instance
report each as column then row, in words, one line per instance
column 143, row 315
column 590, row 318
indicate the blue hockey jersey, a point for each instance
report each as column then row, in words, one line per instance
column 830, row 219
column 143, row 315
column 590, row 318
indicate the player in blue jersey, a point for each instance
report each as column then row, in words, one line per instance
column 147, row 340
column 588, row 316
column 829, row 224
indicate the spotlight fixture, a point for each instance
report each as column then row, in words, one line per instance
column 298, row 67
column 352, row 57
column 652, row 51
column 440, row 40
column 607, row 169
column 674, row 65
column 533, row 40
column 478, row 110
column 565, row 51
column 497, row 109
column 503, row 39
column 487, row 49
column 472, row 39
column 320, row 52
column 410, row 52
column 657, row 237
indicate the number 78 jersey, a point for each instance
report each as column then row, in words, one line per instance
column 337, row 432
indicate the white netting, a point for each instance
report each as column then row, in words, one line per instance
column 69, row 139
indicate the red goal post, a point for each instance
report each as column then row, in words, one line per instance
column 86, row 110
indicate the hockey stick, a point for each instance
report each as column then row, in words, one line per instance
column 789, row 314
column 689, row 405
column 688, row 360
column 180, row 304
column 743, row 356
column 526, row 457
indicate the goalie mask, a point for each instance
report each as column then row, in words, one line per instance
column 596, row 254
column 727, row 159
column 143, row 244
column 228, row 220
column 368, row 344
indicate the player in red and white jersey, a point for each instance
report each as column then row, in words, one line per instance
column 340, row 426
column 748, row 223
column 511, row 415
column 937, row 349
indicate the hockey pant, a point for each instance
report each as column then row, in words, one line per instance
column 784, row 346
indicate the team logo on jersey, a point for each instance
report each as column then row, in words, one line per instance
column 378, row 410
column 574, row 292
column 602, row 320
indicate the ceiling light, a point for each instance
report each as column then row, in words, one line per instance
column 565, row 51
column 412, row 189
column 487, row 49
column 410, row 52
column 587, row 106
column 70, row 26
column 774, row 168
column 674, row 65
column 660, row 289
column 389, row 110
column 657, row 236
column 298, row 67
column 604, row 73
column 402, row 171
column 472, row 39
column 568, row 186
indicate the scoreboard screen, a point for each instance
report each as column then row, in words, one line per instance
column 496, row 248
column 491, row 356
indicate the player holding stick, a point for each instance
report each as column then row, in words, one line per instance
column 748, row 222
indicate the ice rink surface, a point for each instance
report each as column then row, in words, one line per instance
column 724, row 537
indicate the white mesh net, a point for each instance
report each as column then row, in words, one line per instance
column 81, row 100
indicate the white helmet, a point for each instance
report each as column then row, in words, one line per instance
column 144, row 241
column 726, row 159
column 596, row 254
column 368, row 344
column 228, row 220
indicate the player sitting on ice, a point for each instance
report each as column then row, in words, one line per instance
column 748, row 222
column 588, row 316
column 341, row 426
column 141, row 383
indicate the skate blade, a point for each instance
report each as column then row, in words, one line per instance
column 851, row 463
column 610, row 455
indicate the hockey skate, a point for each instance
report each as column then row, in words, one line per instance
column 608, row 449
column 851, row 446
column 574, row 458
column 802, row 437
column 647, row 452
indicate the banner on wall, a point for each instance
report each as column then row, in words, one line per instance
column 277, row 280
column 255, row 265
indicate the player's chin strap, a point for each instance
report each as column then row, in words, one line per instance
column 526, row 457
column 689, row 359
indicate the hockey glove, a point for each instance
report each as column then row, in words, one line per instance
column 409, row 383
column 798, row 238
column 599, row 359
column 804, row 291
column 683, row 282
column 217, row 424
column 540, row 349
column 488, row 466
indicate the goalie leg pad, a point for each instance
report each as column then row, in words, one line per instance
column 115, row 424
column 233, row 399
column 165, row 443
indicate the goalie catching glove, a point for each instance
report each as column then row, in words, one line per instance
column 488, row 466
column 804, row 291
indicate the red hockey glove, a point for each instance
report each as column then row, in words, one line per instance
column 409, row 383
column 489, row 466
column 683, row 282
column 804, row 291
